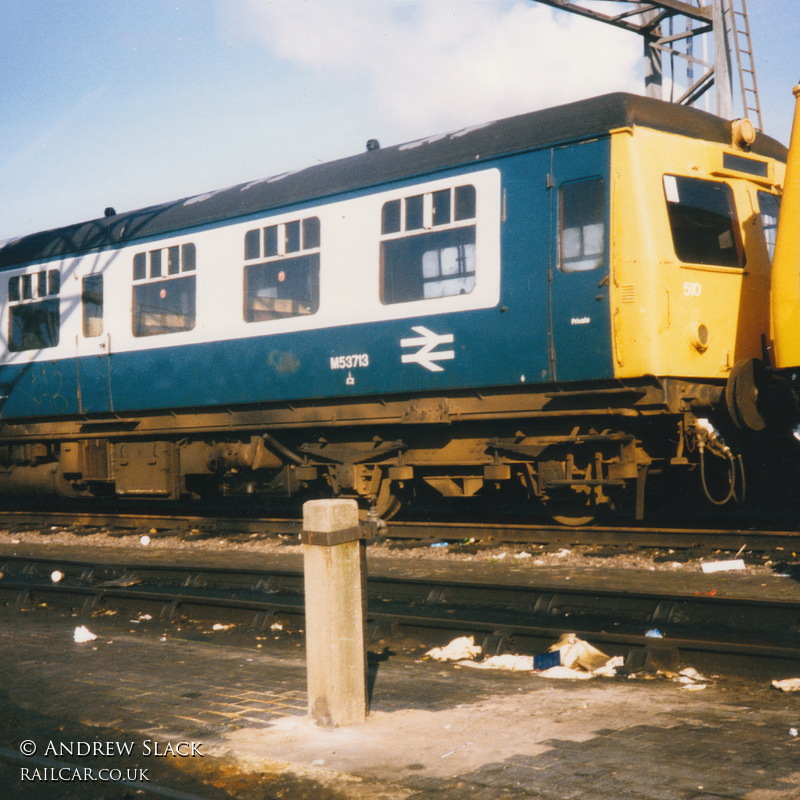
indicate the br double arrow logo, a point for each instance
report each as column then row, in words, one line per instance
column 427, row 355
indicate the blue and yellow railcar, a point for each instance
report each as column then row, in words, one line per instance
column 554, row 306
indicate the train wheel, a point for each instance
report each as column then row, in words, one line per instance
column 572, row 511
column 573, row 521
column 388, row 502
column 384, row 505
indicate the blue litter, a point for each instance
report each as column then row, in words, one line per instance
column 547, row 660
column 439, row 544
column 654, row 633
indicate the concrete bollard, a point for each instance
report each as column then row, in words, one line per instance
column 334, row 562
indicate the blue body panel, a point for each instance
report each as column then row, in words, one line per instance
column 279, row 368
column 526, row 340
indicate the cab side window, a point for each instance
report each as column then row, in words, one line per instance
column 582, row 226
column 769, row 205
column 703, row 221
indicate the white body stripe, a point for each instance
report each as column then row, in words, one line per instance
column 350, row 274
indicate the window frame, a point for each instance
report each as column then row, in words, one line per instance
column 292, row 249
column 600, row 257
column 34, row 310
column 769, row 231
column 92, row 305
column 162, row 270
column 409, row 222
column 682, row 248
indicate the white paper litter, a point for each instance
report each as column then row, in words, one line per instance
column 461, row 648
column 579, row 659
column 788, row 685
column 691, row 680
column 609, row 669
column 577, row 653
column 507, row 662
column 722, row 566
column 83, row 634
column 565, row 673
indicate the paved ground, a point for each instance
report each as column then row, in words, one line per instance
column 183, row 711
column 435, row 730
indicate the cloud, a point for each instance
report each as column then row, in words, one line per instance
column 434, row 65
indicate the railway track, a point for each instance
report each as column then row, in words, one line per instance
column 723, row 634
column 186, row 527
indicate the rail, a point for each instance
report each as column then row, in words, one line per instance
column 238, row 529
column 722, row 633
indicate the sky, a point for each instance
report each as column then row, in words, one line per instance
column 130, row 103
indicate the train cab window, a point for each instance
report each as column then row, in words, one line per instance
column 769, row 205
column 285, row 281
column 34, row 315
column 438, row 258
column 92, row 305
column 164, row 290
column 703, row 221
column 582, row 229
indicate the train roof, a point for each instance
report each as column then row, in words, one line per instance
column 572, row 122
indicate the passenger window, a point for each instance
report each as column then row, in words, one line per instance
column 582, row 227
column 433, row 263
column 703, row 221
column 285, row 282
column 163, row 294
column 92, row 303
column 34, row 317
column 769, row 205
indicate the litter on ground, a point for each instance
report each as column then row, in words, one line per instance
column 460, row 648
column 508, row 662
column 788, row 685
column 576, row 653
column 569, row 657
column 83, row 634
column 722, row 566
column 689, row 678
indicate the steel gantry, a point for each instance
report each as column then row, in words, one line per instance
column 690, row 47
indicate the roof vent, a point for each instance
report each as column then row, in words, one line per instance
column 110, row 212
column 373, row 144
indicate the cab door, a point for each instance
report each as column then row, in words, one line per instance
column 580, row 326
column 93, row 344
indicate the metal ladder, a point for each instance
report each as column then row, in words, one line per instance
column 740, row 34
